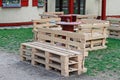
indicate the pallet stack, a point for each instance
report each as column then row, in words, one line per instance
column 45, row 23
column 114, row 29
column 95, row 32
column 61, row 61
column 65, row 55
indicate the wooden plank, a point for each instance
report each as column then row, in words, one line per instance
column 64, row 66
column 47, row 57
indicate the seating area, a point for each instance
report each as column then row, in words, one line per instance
column 62, row 50
column 57, row 50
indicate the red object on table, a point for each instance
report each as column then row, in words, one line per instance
column 68, row 17
column 68, row 26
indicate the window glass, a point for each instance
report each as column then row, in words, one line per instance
column 11, row 3
column 41, row 3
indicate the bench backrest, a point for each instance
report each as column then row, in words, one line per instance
column 71, row 40
column 45, row 22
column 93, row 26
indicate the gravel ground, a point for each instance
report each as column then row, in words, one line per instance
column 11, row 68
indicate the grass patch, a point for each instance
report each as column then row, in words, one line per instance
column 10, row 39
column 106, row 59
column 100, row 60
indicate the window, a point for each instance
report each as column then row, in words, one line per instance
column 41, row 3
column 11, row 3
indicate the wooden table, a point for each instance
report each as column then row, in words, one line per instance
column 68, row 26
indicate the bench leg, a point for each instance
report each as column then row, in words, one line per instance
column 47, row 56
column 64, row 66
column 33, row 57
column 22, row 58
column 80, row 58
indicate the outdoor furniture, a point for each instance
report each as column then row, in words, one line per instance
column 47, row 51
column 68, row 26
column 114, row 29
column 95, row 31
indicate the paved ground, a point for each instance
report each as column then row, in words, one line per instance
column 11, row 68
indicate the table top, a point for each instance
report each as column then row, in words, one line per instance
column 68, row 23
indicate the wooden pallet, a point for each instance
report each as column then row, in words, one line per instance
column 114, row 32
column 95, row 32
column 51, row 21
column 46, row 15
column 81, row 40
column 114, row 29
column 45, row 23
column 26, row 53
column 54, row 58
column 66, row 39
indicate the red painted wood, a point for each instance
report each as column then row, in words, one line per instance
column 103, row 14
column 68, row 26
column 66, row 18
column 24, row 2
column 71, row 6
column 34, row 2
column 0, row 3
column 15, row 24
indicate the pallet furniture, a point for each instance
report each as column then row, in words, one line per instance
column 95, row 32
column 51, row 15
column 45, row 23
column 114, row 29
column 50, row 21
column 57, row 50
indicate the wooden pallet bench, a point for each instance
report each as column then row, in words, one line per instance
column 114, row 29
column 57, row 50
column 65, row 61
column 95, row 32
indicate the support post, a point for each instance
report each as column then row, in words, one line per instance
column 103, row 12
column 71, row 6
